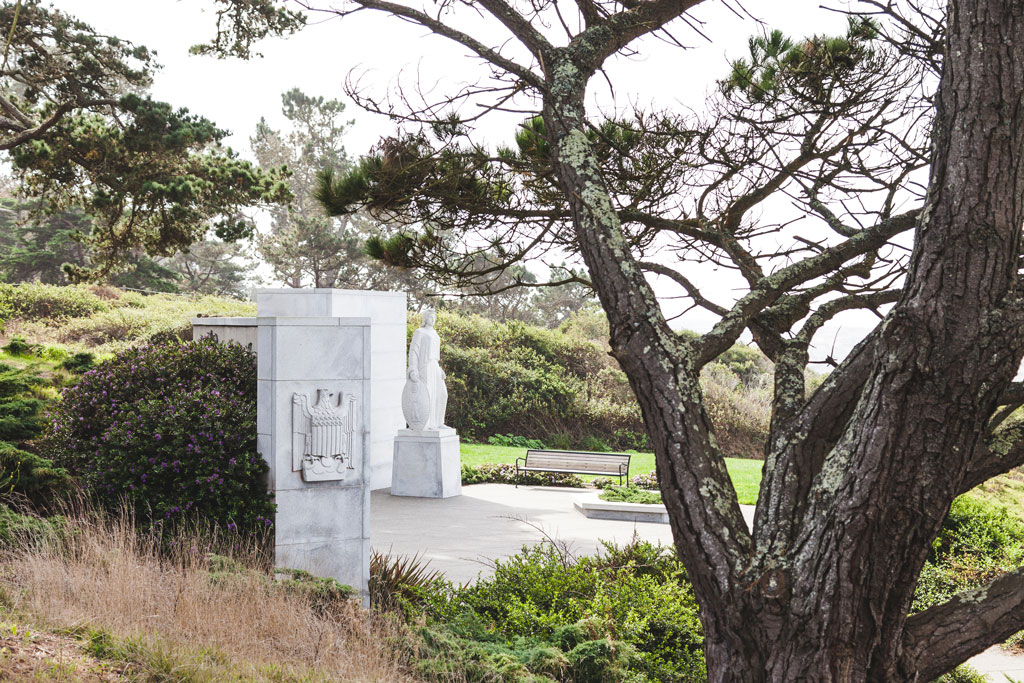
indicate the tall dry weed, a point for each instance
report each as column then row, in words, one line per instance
column 105, row 574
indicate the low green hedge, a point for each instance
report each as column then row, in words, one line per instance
column 545, row 615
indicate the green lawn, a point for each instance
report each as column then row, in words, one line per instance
column 746, row 474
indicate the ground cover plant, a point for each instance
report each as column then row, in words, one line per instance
column 547, row 615
column 629, row 494
column 171, row 429
column 627, row 614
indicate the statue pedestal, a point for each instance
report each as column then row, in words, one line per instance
column 427, row 464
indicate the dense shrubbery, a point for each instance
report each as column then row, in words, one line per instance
column 171, row 429
column 512, row 441
column 32, row 301
column 545, row 615
column 538, row 383
column 560, row 387
column 555, row 386
column 22, row 471
column 979, row 541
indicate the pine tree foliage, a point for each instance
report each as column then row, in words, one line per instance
column 304, row 245
column 81, row 132
column 36, row 245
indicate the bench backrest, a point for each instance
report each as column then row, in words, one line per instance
column 579, row 460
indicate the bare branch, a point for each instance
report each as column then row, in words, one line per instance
column 440, row 28
column 725, row 333
column 681, row 280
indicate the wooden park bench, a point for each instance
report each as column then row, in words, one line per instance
column 574, row 462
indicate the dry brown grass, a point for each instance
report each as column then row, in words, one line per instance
column 106, row 575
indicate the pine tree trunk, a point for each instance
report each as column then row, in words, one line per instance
column 822, row 593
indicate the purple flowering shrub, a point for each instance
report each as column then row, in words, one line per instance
column 171, row 429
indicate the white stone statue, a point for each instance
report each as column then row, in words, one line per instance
column 425, row 396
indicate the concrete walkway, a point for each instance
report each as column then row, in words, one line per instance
column 460, row 536
column 492, row 521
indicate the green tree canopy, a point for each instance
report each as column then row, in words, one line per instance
column 81, row 132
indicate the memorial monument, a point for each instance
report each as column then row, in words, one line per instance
column 330, row 369
column 427, row 463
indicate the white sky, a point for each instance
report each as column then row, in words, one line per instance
column 235, row 93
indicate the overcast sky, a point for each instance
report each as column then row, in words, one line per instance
column 235, row 93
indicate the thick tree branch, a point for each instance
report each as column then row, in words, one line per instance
column 997, row 454
column 943, row 636
column 797, row 448
column 834, row 307
column 590, row 11
column 1014, row 393
column 59, row 113
column 520, row 27
column 599, row 42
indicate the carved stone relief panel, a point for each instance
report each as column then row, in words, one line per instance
column 323, row 435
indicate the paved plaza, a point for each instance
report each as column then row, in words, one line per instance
column 459, row 536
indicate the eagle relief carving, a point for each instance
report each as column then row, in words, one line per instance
column 323, row 435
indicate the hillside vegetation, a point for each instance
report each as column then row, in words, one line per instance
column 558, row 386
column 103, row 319
column 563, row 388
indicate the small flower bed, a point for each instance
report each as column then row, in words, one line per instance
column 506, row 474
column 641, row 481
